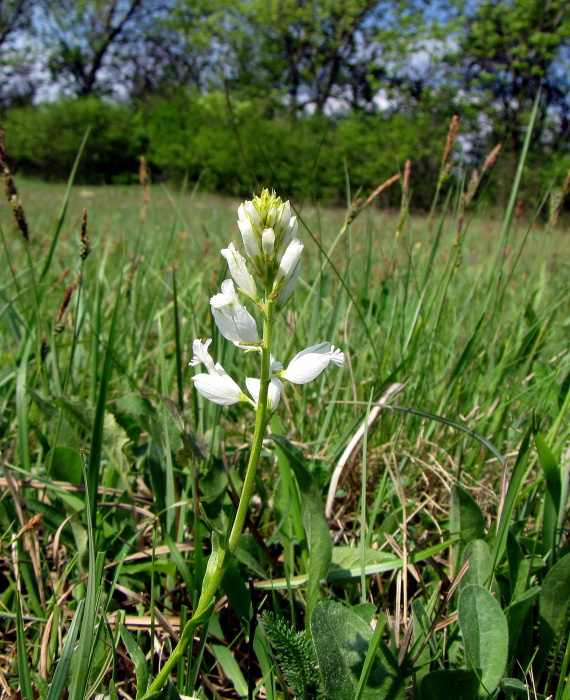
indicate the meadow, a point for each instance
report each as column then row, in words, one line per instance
column 435, row 562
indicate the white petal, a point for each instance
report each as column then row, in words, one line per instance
column 202, row 356
column 220, row 389
column 275, row 365
column 238, row 270
column 268, row 241
column 287, row 291
column 273, row 392
column 289, row 261
column 289, row 232
column 309, row 363
column 236, row 324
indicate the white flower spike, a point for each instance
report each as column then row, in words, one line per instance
column 309, row 363
column 232, row 318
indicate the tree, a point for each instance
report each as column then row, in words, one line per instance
column 16, row 64
column 86, row 40
column 301, row 54
column 510, row 50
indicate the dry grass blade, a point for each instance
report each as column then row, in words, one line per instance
column 353, row 445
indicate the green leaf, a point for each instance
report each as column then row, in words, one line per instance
column 138, row 658
column 553, row 606
column 552, row 501
column 517, row 612
column 513, row 685
column 66, row 465
column 349, row 558
column 169, row 692
column 295, row 655
column 465, row 518
column 459, row 684
column 480, row 564
column 316, row 527
column 114, row 438
column 341, row 639
column 59, row 680
column 230, row 667
column 485, row 634
column 515, row 483
column 238, row 595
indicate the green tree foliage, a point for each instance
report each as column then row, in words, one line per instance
column 44, row 142
column 15, row 84
column 511, row 50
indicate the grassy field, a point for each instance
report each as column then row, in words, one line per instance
column 449, row 519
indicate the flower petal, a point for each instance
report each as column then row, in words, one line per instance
column 202, row 356
column 273, row 392
column 239, row 271
column 309, row 363
column 219, row 388
column 232, row 318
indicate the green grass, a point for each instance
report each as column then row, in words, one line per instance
column 475, row 326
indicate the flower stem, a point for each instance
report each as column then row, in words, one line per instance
column 224, row 555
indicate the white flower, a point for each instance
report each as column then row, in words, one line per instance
column 290, row 261
column 220, row 389
column 289, row 232
column 287, row 291
column 309, row 363
column 216, row 385
column 249, row 223
column 273, row 392
column 202, row 356
column 233, row 320
column 268, row 241
column 239, row 272
column 267, row 228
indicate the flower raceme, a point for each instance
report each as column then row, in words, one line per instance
column 273, row 251
column 272, row 260
column 219, row 387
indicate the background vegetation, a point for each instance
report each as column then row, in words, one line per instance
column 440, row 565
column 222, row 93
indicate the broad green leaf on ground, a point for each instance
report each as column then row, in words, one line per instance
column 316, row 528
column 458, row 684
column 466, row 518
column 485, row 635
column 480, row 563
column 138, row 658
column 517, row 612
column 350, row 558
column 341, row 640
column 553, row 606
column 114, row 436
column 66, row 465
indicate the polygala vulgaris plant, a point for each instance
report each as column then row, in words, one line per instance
column 273, row 263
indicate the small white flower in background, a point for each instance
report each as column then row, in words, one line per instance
column 269, row 234
column 309, row 363
column 232, row 318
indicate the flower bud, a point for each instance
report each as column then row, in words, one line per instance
column 268, row 241
column 239, row 271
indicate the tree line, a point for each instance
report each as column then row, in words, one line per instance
column 295, row 61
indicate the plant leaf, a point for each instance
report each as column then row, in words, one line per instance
column 485, row 634
column 341, row 640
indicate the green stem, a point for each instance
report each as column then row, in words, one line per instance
column 214, row 576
